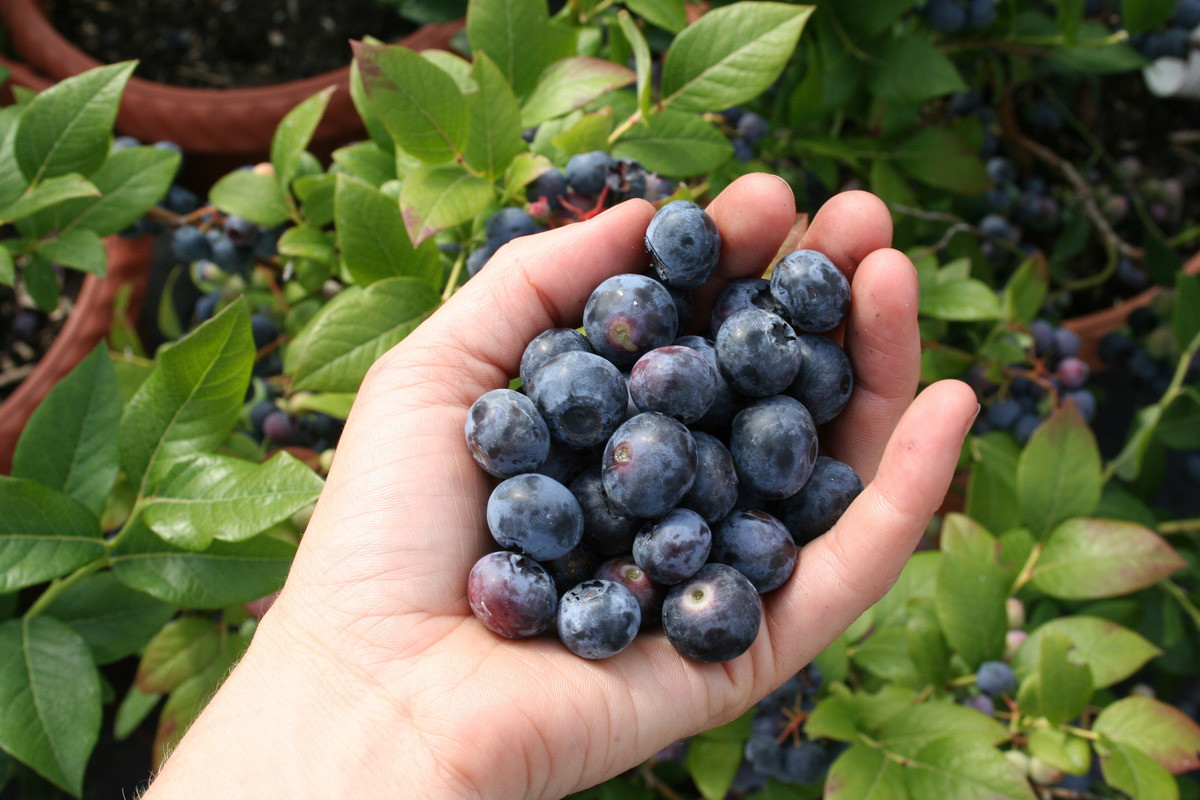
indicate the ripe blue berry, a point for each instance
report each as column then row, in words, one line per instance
column 629, row 315
column 714, row 616
column 813, row 290
column 545, row 346
column 649, row 464
column 606, row 529
column 995, row 678
column 582, row 398
column 598, row 619
column 820, row 503
column 774, row 446
column 756, row 545
column 512, row 595
column 758, row 352
column 684, row 244
column 825, row 379
column 535, row 515
column 715, row 489
column 673, row 380
column 586, row 172
column 505, row 434
column 673, row 548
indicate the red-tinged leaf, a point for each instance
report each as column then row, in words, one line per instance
column 1162, row 732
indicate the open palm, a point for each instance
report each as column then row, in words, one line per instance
column 372, row 661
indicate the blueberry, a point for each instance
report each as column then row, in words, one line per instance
column 744, row 293
column 674, row 380
column 227, row 255
column 508, row 224
column 181, row 200
column 1024, row 427
column 269, row 365
column 1084, row 401
column 1001, row 170
column 764, row 754
column 752, row 127
column 205, row 307
column 659, row 188
column 545, row 346
column 997, row 227
column 478, row 258
column 715, row 489
column 813, row 290
column 981, row 14
column 535, row 515
column 946, row 16
column 576, row 566
column 713, row 616
column 280, row 427
column 241, row 231
column 757, row 545
column 625, row 571
column 674, row 547
column 820, row 503
column 758, row 353
column 586, row 172
column 683, row 303
column 774, row 446
column 1003, row 414
column 598, row 619
column 726, row 401
column 1187, row 14
column 26, row 324
column 550, row 186
column 684, row 244
column 981, row 703
column 264, row 330
column 512, row 595
column 259, row 413
column 805, row 763
column 649, row 464
column 995, row 678
column 742, row 150
column 188, row 244
column 825, row 379
column 505, row 434
column 1043, row 336
column 607, row 530
column 1072, row 372
column 582, row 397
column 626, row 179
column 564, row 464
column 1066, row 343
column 628, row 315
column 124, row 143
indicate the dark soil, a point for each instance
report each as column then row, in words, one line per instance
column 225, row 43
column 26, row 332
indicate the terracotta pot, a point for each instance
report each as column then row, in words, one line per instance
column 218, row 129
column 1093, row 327
column 88, row 324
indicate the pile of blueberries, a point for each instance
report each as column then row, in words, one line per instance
column 1060, row 377
column 649, row 477
column 590, row 182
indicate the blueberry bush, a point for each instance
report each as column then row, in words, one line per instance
column 1042, row 643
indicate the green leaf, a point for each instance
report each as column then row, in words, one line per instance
column 911, row 70
column 80, row 248
column 362, row 104
column 965, row 769
column 675, row 144
column 41, row 283
column 570, row 84
column 927, row 647
column 971, row 591
column 66, row 128
column 885, row 655
column 1024, row 293
column 670, row 15
column 435, row 198
column 225, row 574
column 190, row 400
column 218, row 497
column 1185, row 322
column 1113, row 652
column 49, row 193
column 188, row 699
column 113, row 619
column 495, row 138
column 963, row 300
column 642, row 59
column 1059, row 472
column 1180, row 425
column 307, row 241
column 1059, row 686
column 1092, row 558
column 419, row 104
column 372, row 238
column 8, row 269
column 1159, row 730
column 251, row 195
column 130, row 182
column 70, row 442
column 182, row 648
column 1139, row 16
column 367, row 161
column 523, row 170
column 1135, row 773
column 914, row 729
column 589, row 133
column 133, row 711
column 918, row 579
column 835, row 717
column 730, row 55
column 1070, row 15
column 43, row 534
column 1061, row 750
column 354, row 329
column 992, row 488
column 456, row 67
column 865, row 773
column 49, row 699
column 713, row 757
column 293, row 134
column 943, row 159
column 518, row 37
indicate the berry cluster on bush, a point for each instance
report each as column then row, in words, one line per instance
column 648, row 475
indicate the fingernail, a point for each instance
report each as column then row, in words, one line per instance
column 973, row 417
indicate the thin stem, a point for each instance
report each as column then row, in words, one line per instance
column 1181, row 597
column 60, row 585
column 1179, row 526
column 455, row 274
column 1026, row 573
column 624, row 127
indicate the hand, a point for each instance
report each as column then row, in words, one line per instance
column 370, row 677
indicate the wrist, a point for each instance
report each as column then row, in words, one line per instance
column 289, row 723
